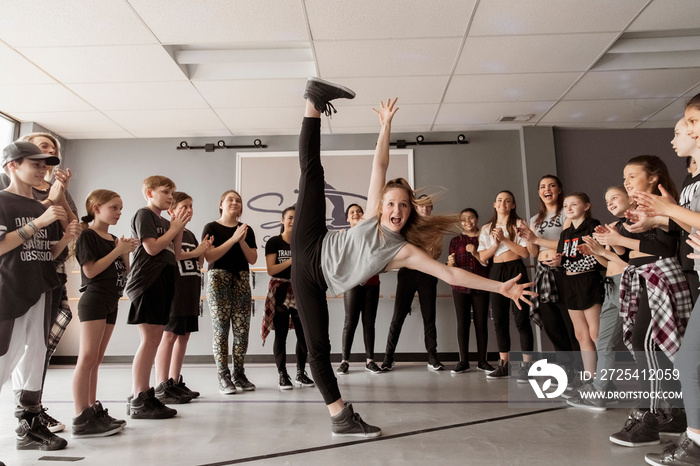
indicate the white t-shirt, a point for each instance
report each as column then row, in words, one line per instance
column 486, row 240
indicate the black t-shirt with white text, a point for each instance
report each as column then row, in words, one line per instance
column 144, row 267
column 27, row 271
column 92, row 247
column 188, row 281
column 282, row 251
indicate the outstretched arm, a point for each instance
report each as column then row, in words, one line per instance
column 415, row 258
column 380, row 163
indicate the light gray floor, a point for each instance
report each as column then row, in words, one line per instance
column 426, row 417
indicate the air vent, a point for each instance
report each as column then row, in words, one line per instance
column 507, row 119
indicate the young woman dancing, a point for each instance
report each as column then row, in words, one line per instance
column 392, row 236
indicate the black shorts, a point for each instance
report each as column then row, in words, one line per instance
column 97, row 306
column 584, row 290
column 182, row 325
column 153, row 306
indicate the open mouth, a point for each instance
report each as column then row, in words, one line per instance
column 395, row 221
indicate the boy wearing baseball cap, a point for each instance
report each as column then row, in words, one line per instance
column 29, row 240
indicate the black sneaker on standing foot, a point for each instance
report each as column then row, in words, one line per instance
column 501, row 372
column 169, row 395
column 92, row 423
column 485, row 366
column 52, row 424
column 105, row 413
column 182, row 387
column 320, row 93
column 348, row 423
column 523, row 373
column 242, row 383
column 461, row 368
column 343, row 368
column 36, row 436
column 226, row 386
column 387, row 365
column 685, row 453
column 641, row 429
column 285, row 382
column 303, row 380
column 147, row 406
column 373, row 368
column 672, row 421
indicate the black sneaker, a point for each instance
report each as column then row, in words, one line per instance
column 169, row 395
column 226, row 386
column 387, row 366
column 343, row 368
column 37, row 436
column 435, row 366
column 348, row 423
column 672, row 421
column 303, row 380
column 320, row 92
column 182, row 387
column 461, row 368
column 373, row 368
column 285, row 381
column 501, row 372
column 147, row 406
column 105, row 413
column 241, row 382
column 574, row 386
column 52, row 424
column 523, row 373
column 588, row 398
column 92, row 423
column 686, row 453
column 641, row 429
column 485, row 366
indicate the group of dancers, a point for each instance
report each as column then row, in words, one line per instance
column 644, row 300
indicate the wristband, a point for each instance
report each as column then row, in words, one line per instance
column 31, row 225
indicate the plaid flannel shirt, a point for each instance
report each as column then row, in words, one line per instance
column 271, row 303
column 669, row 301
column 545, row 286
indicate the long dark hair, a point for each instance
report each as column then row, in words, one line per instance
column 542, row 213
column 284, row 212
column 654, row 166
column 512, row 217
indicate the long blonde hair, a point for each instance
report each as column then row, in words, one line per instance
column 96, row 198
column 424, row 232
column 49, row 168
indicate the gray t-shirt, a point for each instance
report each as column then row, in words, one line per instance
column 550, row 228
column 350, row 257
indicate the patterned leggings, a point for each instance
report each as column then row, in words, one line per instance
column 229, row 299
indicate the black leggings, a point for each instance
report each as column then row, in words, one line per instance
column 408, row 282
column 307, row 278
column 500, row 306
column 464, row 304
column 363, row 299
column 279, row 348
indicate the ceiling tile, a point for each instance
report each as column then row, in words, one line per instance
column 408, row 115
column 72, row 122
column 488, row 113
column 130, row 63
column 487, row 127
column 253, row 93
column 395, row 129
column 668, row 14
column 602, row 111
column 673, row 112
column 223, row 21
column 387, row 19
column 17, row 70
column 410, row 57
column 171, row 119
column 97, row 135
column 532, row 54
column 140, row 96
column 261, row 118
column 78, row 22
column 506, row 17
column 30, row 98
column 181, row 133
column 509, row 87
column 631, row 84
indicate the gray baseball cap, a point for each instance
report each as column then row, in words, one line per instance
column 27, row 150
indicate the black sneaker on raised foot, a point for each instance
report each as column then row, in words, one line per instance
column 672, row 421
column 52, row 424
column 373, row 368
column 348, row 423
column 320, row 93
column 242, row 383
column 182, row 387
column 343, row 368
column 501, row 372
column 685, row 453
column 168, row 394
column 303, row 380
column 92, row 423
column 641, row 429
column 37, row 436
column 147, row 406
column 226, row 386
column 461, row 368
